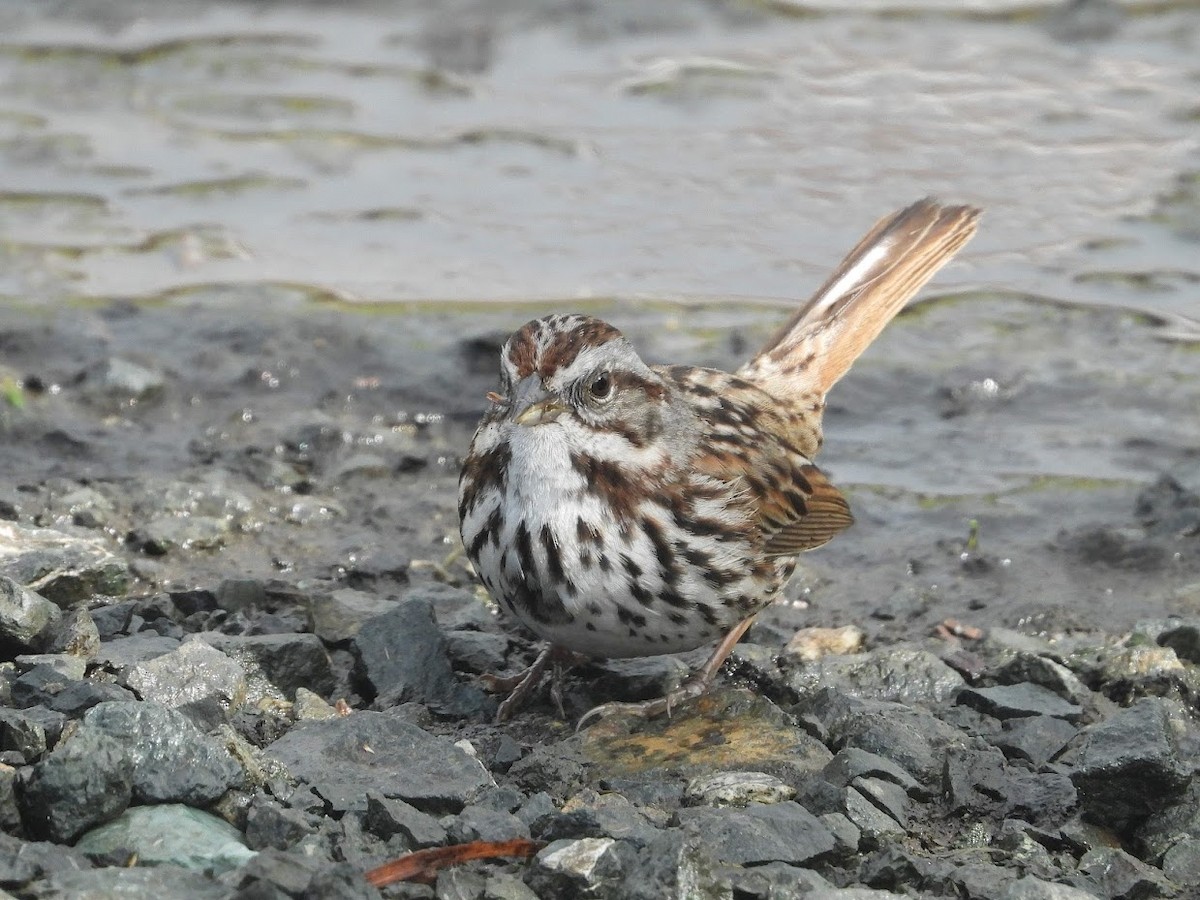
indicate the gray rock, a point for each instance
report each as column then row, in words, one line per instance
column 1047, row 673
column 159, row 883
column 120, row 655
column 66, row 666
column 64, row 569
column 286, row 661
column 191, row 673
column 897, row 674
column 736, row 789
column 777, row 881
column 80, row 696
column 21, row 732
column 269, row 824
column 166, row 533
column 781, row 832
column 402, row 657
column 479, row 823
column 1037, row 739
column 478, row 652
column 852, row 763
column 26, row 618
column 86, row 781
column 278, row 874
column 173, row 761
column 974, row 778
column 170, row 835
column 87, row 507
column 1031, row 888
column 1111, row 872
column 39, row 686
column 123, row 380
column 1134, row 762
column 387, row 817
column 337, row 617
column 343, row 758
column 1181, row 863
column 75, row 634
column 23, row 862
column 579, row 868
column 593, row 814
column 1019, row 700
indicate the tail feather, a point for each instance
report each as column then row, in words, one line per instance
column 817, row 346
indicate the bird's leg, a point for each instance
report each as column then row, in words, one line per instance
column 699, row 682
column 522, row 684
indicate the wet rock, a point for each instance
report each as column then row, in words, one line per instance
column 387, row 817
column 780, row 832
column 1135, row 762
column 121, row 380
column 87, row 507
column 639, row 678
column 1037, row 739
column 1047, row 673
column 1019, row 700
column 898, row 674
column 26, row 618
column 402, row 657
column 173, row 762
column 169, row 835
column 337, row 617
column 736, row 789
column 190, row 674
column 286, row 661
column 86, row 781
column 852, row 763
column 62, row 568
column 343, row 758
column 166, row 533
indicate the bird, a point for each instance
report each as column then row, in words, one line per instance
column 621, row 509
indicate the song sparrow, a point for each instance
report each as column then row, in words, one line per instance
column 621, row 509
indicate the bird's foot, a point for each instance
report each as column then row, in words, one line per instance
column 696, row 685
column 521, row 685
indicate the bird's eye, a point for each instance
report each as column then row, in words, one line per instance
column 601, row 386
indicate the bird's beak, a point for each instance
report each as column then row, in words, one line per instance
column 533, row 404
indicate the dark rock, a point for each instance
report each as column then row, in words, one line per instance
column 10, row 810
column 169, row 835
column 173, row 761
column 1167, row 508
column 120, row 655
column 479, row 823
column 67, row 569
column 637, row 678
column 477, row 652
column 1042, row 798
column 605, row 815
column 1110, row 872
column 269, row 824
column 1044, row 672
column 75, row 634
column 557, row 770
column 852, row 763
column 896, row 674
column 80, row 696
column 279, row 874
column 23, row 862
column 1019, row 700
column 777, row 881
column 343, row 758
column 287, row 661
column 876, row 826
column 386, row 817
column 39, row 686
column 589, row 866
column 1037, row 739
column 402, row 658
column 337, row 617
column 86, row 781
column 26, row 618
column 1171, row 826
column 1183, row 637
column 22, row 733
column 1181, row 863
column 1136, row 762
column 893, row 867
column 116, row 620
column 974, row 779
column 780, row 832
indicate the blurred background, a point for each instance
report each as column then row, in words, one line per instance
column 411, row 180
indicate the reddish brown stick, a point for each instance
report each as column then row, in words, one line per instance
column 423, row 865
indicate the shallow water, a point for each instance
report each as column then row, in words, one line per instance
column 425, row 174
